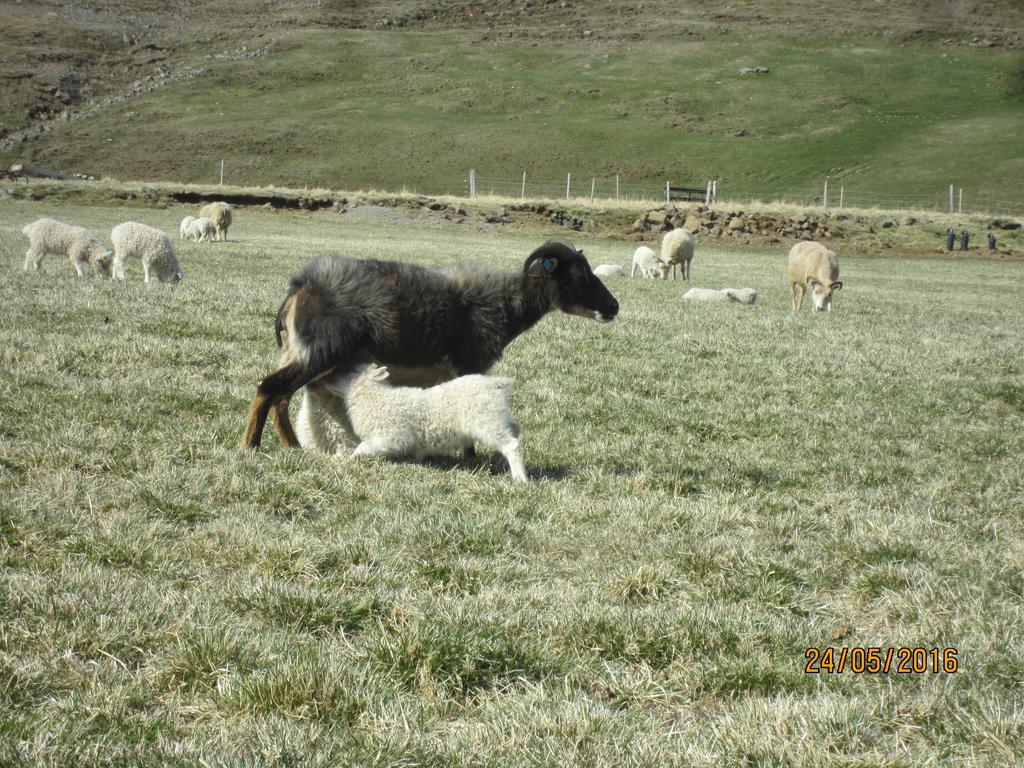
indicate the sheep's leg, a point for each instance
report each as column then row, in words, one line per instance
column 689, row 269
column 798, row 295
column 145, row 270
column 513, row 453
column 370, row 448
column 283, row 424
column 33, row 259
column 281, row 384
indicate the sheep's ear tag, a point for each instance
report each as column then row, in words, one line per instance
column 549, row 264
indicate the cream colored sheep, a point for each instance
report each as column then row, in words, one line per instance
column 646, row 260
column 200, row 229
column 220, row 214
column 141, row 241
column 183, row 227
column 609, row 270
column 77, row 243
column 736, row 295
column 677, row 247
column 407, row 421
column 813, row 265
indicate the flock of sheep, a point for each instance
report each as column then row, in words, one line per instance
column 811, row 267
column 348, row 325
column 131, row 240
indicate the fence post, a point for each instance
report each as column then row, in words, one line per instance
column 523, row 193
column 472, row 182
column 950, row 198
column 840, row 197
column 824, row 195
column 616, row 186
column 707, row 193
column 960, row 202
column 593, row 180
column 568, row 178
column 714, row 191
column 222, row 173
column 667, row 198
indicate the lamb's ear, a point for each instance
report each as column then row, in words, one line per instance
column 378, row 374
column 837, row 285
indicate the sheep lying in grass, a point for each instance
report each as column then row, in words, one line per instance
column 200, row 229
column 813, row 265
column 735, row 295
column 646, row 260
column 78, row 244
column 183, row 227
column 408, row 421
column 677, row 247
column 609, row 270
column 134, row 240
column 220, row 214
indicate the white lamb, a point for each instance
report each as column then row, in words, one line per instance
column 736, row 295
column 77, row 243
column 677, row 247
column 403, row 421
column 646, row 260
column 609, row 270
column 813, row 265
column 183, row 227
column 200, row 229
column 134, row 240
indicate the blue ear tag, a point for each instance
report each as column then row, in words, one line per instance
column 548, row 264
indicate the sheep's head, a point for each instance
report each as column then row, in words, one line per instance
column 103, row 260
column 821, row 293
column 578, row 290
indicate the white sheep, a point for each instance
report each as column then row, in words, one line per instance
column 220, row 214
column 183, row 227
column 200, row 229
column 403, row 421
column 134, row 240
column 77, row 243
column 736, row 295
column 609, row 270
column 646, row 260
column 677, row 247
column 813, row 265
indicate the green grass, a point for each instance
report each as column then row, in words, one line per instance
column 715, row 488
column 892, row 119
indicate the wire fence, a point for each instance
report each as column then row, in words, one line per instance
column 831, row 194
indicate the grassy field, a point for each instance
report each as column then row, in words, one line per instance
column 716, row 489
column 893, row 112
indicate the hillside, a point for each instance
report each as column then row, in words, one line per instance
column 892, row 105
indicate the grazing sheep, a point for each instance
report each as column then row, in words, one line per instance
column 404, row 421
column 735, row 295
column 200, row 229
column 646, row 260
column 134, row 240
column 220, row 214
column 77, row 243
column 677, row 247
column 340, row 312
column 183, row 227
column 813, row 265
column 609, row 270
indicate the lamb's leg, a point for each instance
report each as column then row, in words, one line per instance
column 118, row 266
column 371, row 447
column 281, row 384
column 145, row 270
column 513, row 452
